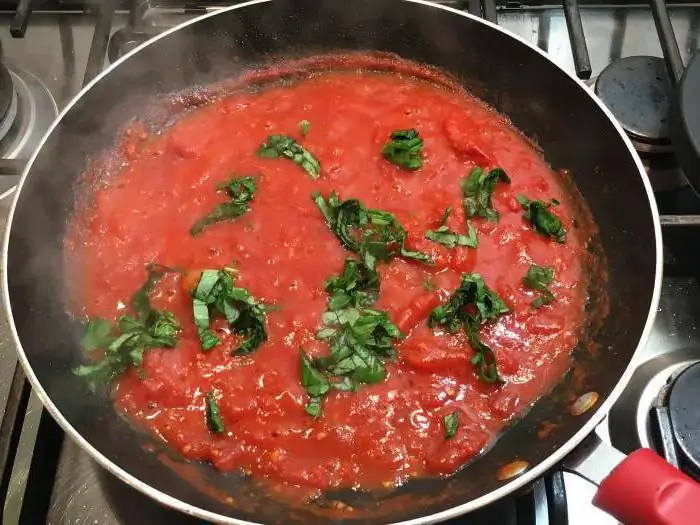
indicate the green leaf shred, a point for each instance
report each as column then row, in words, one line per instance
column 283, row 146
column 404, row 149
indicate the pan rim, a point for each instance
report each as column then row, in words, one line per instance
column 197, row 512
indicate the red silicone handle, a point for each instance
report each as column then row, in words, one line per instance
column 646, row 490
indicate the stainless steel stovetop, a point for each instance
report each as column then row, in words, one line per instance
column 54, row 55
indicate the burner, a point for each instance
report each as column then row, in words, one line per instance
column 635, row 89
column 683, row 413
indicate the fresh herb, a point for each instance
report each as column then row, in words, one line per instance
column 215, row 293
column 542, row 219
column 537, row 278
column 314, row 382
column 483, row 360
column 428, row 285
column 374, row 234
column 472, row 302
column 451, row 423
column 404, row 149
column 358, row 285
column 304, row 127
column 241, row 190
column 478, row 189
column 470, row 306
column 442, row 235
column 313, row 407
column 360, row 341
column 214, row 421
column 282, row 146
column 125, row 342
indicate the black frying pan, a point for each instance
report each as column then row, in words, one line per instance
column 573, row 129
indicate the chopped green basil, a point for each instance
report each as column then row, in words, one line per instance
column 313, row 407
column 282, row 146
column 125, row 342
column 483, row 360
column 313, row 381
column 241, row 191
column 360, row 340
column 215, row 293
column 97, row 335
column 357, row 286
column 470, row 306
column 477, row 190
column 543, row 221
column 473, row 300
column 451, row 423
column 374, row 234
column 304, row 127
column 214, row 421
column 404, row 149
column 442, row 235
column 537, row 278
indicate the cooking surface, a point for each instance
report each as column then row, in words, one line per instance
column 55, row 50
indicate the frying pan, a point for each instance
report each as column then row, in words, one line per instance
column 574, row 131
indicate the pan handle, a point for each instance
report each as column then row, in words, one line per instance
column 639, row 489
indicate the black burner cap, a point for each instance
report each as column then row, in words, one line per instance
column 635, row 90
column 7, row 90
column 684, row 412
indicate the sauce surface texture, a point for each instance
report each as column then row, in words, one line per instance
column 283, row 252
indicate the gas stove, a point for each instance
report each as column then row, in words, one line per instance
column 50, row 48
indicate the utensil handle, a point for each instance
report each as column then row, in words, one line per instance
column 639, row 489
column 667, row 39
column 645, row 489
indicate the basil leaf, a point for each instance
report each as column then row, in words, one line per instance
column 358, row 285
column 282, row 146
column 200, row 312
column 542, row 219
column 472, row 237
column 442, row 235
column 375, row 234
column 313, row 381
column 451, row 239
column 164, row 329
column 208, row 339
column 484, row 360
column 97, row 335
column 473, row 300
column 360, row 340
column 345, row 385
column 304, row 127
column 103, row 371
column 207, row 281
column 451, row 423
column 126, row 341
column 404, row 149
column 214, row 421
column 241, row 191
column 313, row 407
column 477, row 191
column 216, row 294
column 470, row 306
column 140, row 301
column 537, row 278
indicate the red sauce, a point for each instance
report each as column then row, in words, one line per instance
column 384, row 433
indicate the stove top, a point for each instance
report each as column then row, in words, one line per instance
column 61, row 44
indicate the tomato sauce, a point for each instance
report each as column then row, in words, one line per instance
column 283, row 250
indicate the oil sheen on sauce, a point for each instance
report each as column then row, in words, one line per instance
column 387, row 432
